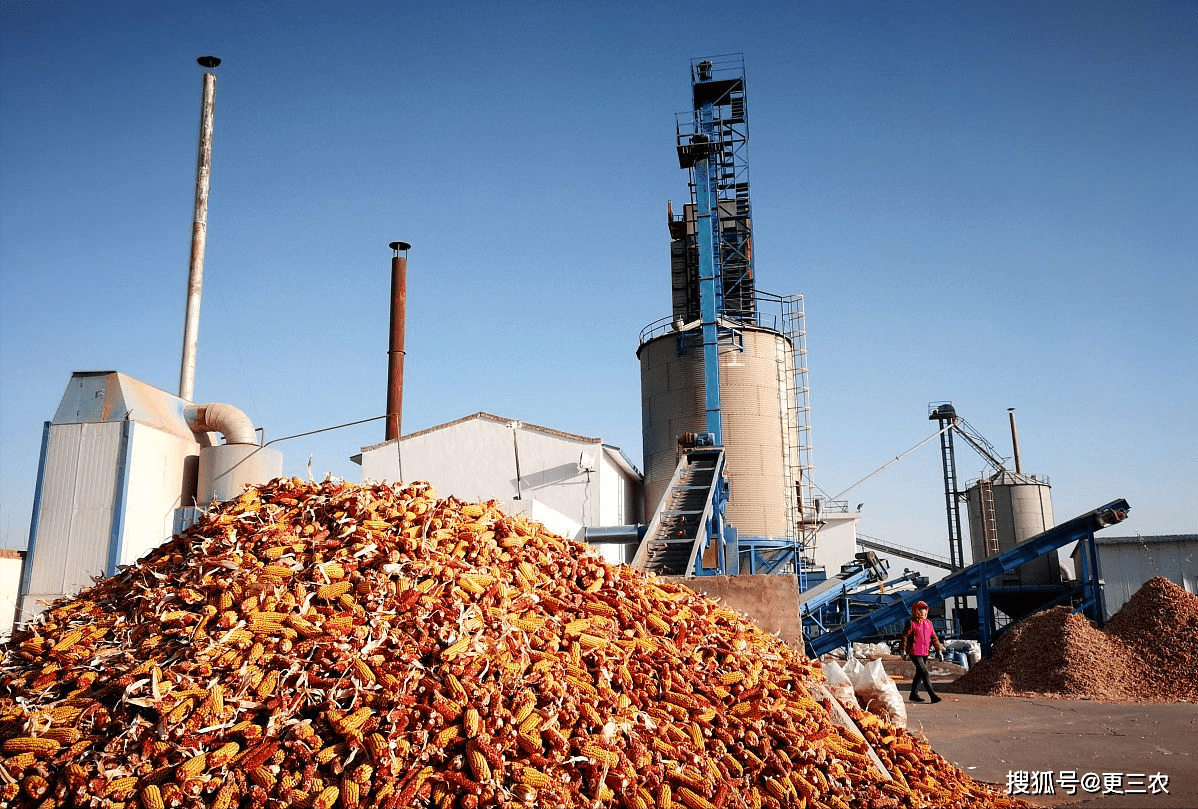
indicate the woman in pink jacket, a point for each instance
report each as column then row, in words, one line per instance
column 918, row 639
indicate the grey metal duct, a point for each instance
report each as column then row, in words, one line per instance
column 225, row 419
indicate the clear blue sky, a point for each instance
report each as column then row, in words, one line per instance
column 988, row 203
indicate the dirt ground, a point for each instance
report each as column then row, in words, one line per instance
column 1092, row 755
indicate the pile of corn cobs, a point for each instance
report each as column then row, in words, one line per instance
column 333, row 645
column 1147, row 653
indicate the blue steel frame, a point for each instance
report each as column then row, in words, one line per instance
column 974, row 580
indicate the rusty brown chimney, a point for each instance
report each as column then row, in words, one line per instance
column 395, row 350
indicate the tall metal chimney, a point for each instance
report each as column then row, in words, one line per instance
column 395, row 350
column 1015, row 440
column 199, row 233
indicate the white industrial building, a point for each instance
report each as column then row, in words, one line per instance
column 1127, row 563
column 569, row 483
column 11, row 564
column 124, row 466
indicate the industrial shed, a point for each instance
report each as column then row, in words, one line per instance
column 1126, row 563
column 567, row 482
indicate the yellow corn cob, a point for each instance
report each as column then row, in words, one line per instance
column 263, row 627
column 529, row 740
column 456, row 648
column 362, row 670
column 326, row 798
column 151, row 797
column 802, row 786
column 327, row 754
column 693, row 800
column 578, row 625
column 193, row 766
column 350, row 793
column 68, row 640
column 447, row 735
column 225, row 601
column 333, row 591
column 731, row 677
column 471, row 722
column 275, row 552
column 119, row 788
column 180, row 711
column 779, row 788
column 278, row 571
column 896, row 789
column 664, row 799
column 596, row 607
column 224, row 754
column 269, row 683
column 376, row 525
column 303, row 626
column 263, row 778
column 535, row 778
column 475, row 583
column 527, row 624
column 40, row 746
column 334, row 570
column 602, row 755
column 592, row 641
column 377, row 745
column 224, row 798
column 20, row 762
column 64, row 714
column 655, row 622
column 354, row 720
column 522, row 712
column 472, row 510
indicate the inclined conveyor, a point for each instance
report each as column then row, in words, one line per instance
column 975, row 581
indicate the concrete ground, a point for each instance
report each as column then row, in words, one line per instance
column 995, row 739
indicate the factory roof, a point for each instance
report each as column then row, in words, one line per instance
column 493, row 418
column 614, row 452
column 1138, row 538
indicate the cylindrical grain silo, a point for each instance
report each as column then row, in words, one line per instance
column 1008, row 508
column 226, row 469
column 758, row 421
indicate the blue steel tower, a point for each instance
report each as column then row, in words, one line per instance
column 712, row 249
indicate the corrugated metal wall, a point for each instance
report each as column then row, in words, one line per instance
column 1128, row 563
column 74, row 523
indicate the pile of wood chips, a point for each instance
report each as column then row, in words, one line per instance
column 332, row 645
column 1148, row 653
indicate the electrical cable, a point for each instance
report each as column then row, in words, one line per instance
column 324, row 430
column 891, row 461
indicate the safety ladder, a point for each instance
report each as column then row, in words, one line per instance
column 989, row 517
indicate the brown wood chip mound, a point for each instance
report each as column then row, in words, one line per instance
column 332, row 646
column 1148, row 653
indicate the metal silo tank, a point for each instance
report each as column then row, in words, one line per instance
column 758, row 421
column 1022, row 509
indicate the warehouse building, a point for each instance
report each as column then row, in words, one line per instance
column 1126, row 563
column 567, row 482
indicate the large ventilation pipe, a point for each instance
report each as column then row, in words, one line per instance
column 199, row 233
column 395, row 349
column 226, row 469
column 225, row 419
